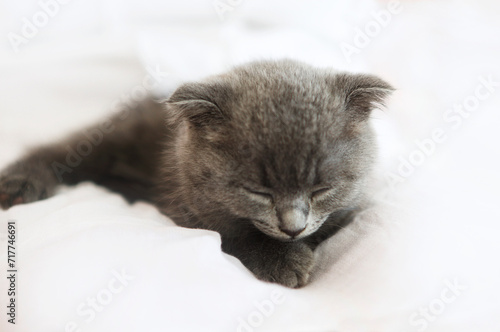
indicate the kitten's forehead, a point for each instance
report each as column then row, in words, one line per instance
column 283, row 162
column 289, row 103
column 282, row 84
column 284, row 123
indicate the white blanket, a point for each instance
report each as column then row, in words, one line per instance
column 425, row 258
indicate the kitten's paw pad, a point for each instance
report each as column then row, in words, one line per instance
column 19, row 190
column 292, row 270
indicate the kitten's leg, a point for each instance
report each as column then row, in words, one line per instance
column 285, row 263
column 121, row 153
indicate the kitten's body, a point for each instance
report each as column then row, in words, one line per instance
column 272, row 155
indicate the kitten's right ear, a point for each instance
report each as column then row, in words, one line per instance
column 200, row 104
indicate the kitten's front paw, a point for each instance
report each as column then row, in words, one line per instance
column 289, row 266
column 20, row 189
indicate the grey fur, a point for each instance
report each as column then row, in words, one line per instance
column 273, row 155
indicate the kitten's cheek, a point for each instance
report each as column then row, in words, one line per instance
column 262, row 212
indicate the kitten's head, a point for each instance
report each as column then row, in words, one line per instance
column 278, row 144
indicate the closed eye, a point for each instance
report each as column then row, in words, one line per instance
column 320, row 192
column 259, row 194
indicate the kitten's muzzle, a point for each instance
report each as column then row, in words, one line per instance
column 293, row 222
column 292, row 232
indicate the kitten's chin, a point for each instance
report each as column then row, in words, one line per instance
column 275, row 233
column 270, row 231
column 287, row 238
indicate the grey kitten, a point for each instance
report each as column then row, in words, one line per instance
column 273, row 155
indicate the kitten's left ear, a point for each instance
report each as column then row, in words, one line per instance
column 200, row 104
column 361, row 93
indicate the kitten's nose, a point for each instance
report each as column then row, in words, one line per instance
column 292, row 232
column 293, row 222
